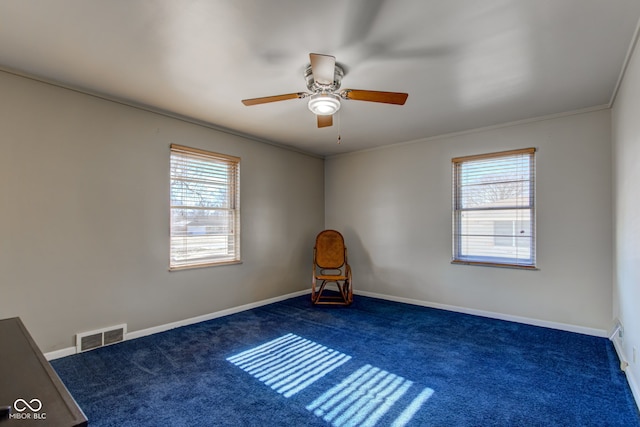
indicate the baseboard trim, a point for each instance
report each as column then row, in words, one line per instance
column 69, row 351
column 210, row 316
column 493, row 315
column 635, row 387
column 633, row 384
column 57, row 354
column 518, row 319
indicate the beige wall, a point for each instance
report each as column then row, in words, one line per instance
column 84, row 216
column 626, row 190
column 394, row 206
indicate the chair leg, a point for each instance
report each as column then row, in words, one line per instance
column 344, row 291
column 315, row 297
column 347, row 292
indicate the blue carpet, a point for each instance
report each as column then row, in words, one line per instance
column 374, row 363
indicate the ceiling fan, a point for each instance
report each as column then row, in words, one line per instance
column 323, row 77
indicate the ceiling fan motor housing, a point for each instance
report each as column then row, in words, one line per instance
column 316, row 87
column 323, row 100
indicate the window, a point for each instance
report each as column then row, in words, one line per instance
column 494, row 209
column 205, row 208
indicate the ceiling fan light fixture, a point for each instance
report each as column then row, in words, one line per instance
column 324, row 104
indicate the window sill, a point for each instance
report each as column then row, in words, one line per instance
column 493, row 264
column 211, row 264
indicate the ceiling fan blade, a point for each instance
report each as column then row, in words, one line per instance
column 325, row 121
column 323, row 68
column 376, row 96
column 266, row 99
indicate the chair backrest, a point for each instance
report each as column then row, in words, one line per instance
column 330, row 251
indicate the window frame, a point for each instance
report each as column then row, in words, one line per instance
column 457, row 213
column 212, row 177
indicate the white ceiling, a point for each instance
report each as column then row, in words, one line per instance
column 465, row 63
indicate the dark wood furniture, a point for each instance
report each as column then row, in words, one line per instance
column 29, row 386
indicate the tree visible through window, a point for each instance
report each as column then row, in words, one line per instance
column 205, row 208
column 494, row 209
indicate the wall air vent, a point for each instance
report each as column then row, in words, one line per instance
column 89, row 340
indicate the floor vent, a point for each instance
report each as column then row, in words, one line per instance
column 86, row 341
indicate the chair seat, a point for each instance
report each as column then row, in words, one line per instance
column 330, row 277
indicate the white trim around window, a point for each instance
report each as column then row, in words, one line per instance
column 494, row 209
column 205, row 208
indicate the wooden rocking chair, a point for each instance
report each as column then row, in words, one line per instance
column 330, row 266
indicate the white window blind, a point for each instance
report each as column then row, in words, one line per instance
column 205, row 208
column 494, row 209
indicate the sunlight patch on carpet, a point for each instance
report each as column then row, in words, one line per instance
column 365, row 396
column 289, row 364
